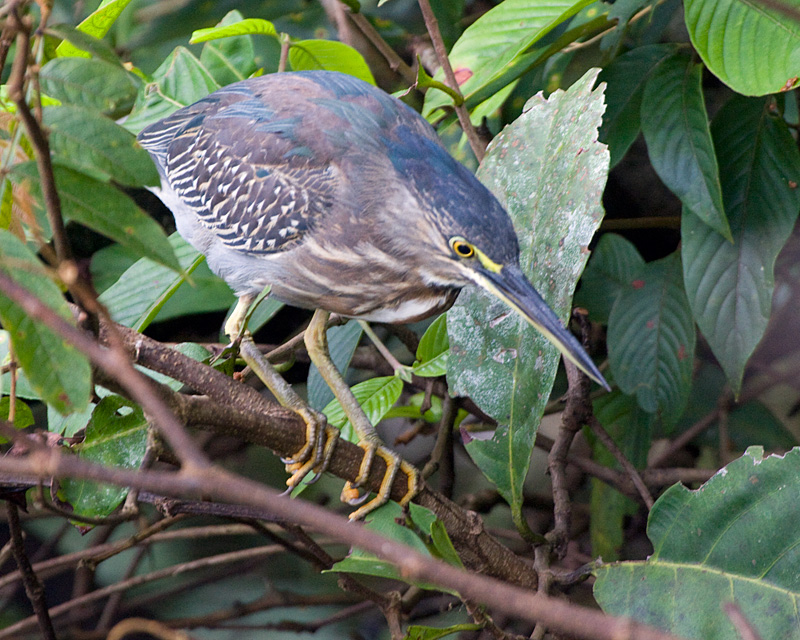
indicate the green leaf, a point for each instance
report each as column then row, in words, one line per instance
column 433, row 350
column 614, row 264
column 651, row 340
column 181, row 80
column 132, row 298
column 116, row 436
column 105, row 209
column 88, row 142
column 233, row 58
column 549, row 171
column 386, row 521
column 631, row 429
column 750, row 46
column 625, row 80
column 328, row 55
column 496, row 40
column 342, row 343
column 97, row 24
column 675, row 127
column 23, row 416
column 90, row 83
column 733, row 540
column 57, row 372
column 413, row 409
column 227, row 28
column 77, row 42
column 730, row 285
column 376, row 396
column 75, row 422
column 419, row 632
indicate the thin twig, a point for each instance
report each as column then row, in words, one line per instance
column 394, row 61
column 432, row 25
column 55, row 566
column 150, row 627
column 33, row 588
column 251, row 555
column 577, row 411
column 132, row 541
column 16, row 92
column 112, row 606
column 608, row 442
column 115, row 363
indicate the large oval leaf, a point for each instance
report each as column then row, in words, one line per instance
column 116, row 436
column 651, row 339
column 181, row 80
column 614, row 263
column 105, row 209
column 91, row 83
column 750, row 46
column 626, row 78
column 730, row 285
column 733, row 540
column 675, row 127
column 82, row 139
column 142, row 290
column 328, row 55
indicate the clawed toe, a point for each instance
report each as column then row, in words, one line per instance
column 393, row 464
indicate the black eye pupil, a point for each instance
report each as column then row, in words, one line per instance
column 463, row 249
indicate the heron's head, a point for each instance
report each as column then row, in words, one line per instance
column 471, row 240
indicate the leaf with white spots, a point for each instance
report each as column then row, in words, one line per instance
column 549, row 171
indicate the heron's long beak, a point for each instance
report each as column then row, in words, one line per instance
column 512, row 287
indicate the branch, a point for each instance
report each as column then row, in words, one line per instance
column 41, row 148
column 235, row 409
column 33, row 588
column 218, row 484
column 115, row 363
column 478, row 147
column 608, row 442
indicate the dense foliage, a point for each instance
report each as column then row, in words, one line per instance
column 647, row 152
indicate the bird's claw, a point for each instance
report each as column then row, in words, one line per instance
column 316, row 454
column 394, row 463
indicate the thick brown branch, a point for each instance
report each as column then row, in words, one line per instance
column 235, row 409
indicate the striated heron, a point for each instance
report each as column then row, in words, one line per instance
column 343, row 200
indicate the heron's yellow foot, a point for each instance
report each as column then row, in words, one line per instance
column 315, row 455
column 394, row 463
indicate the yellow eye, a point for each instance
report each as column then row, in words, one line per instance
column 462, row 248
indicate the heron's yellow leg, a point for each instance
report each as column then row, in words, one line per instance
column 317, row 345
column 320, row 437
